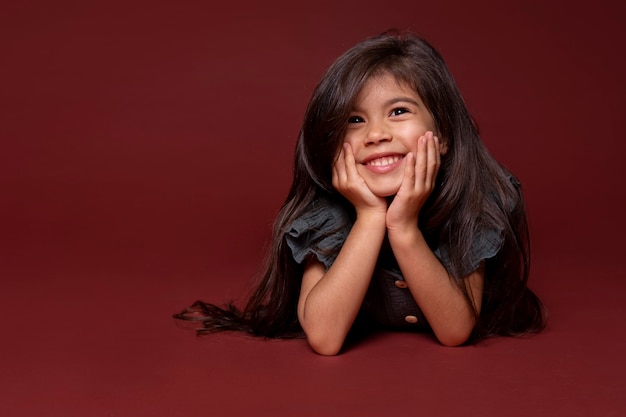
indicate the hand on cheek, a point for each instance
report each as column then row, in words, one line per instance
column 352, row 186
column 418, row 182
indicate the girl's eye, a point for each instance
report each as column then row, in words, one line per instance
column 355, row 119
column 399, row 111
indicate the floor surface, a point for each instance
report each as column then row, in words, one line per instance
column 104, row 345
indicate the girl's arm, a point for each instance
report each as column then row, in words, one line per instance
column 446, row 308
column 449, row 313
column 330, row 300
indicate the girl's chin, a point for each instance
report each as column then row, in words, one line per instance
column 386, row 185
column 385, row 191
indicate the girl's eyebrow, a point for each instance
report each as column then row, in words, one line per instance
column 393, row 101
column 401, row 99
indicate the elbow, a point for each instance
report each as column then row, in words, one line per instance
column 324, row 344
column 324, row 338
column 454, row 339
column 453, row 342
column 326, row 350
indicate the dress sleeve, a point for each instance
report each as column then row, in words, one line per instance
column 320, row 231
column 485, row 245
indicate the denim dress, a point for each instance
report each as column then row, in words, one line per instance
column 321, row 232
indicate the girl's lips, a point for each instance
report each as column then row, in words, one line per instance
column 381, row 164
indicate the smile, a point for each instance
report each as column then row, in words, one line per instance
column 384, row 161
column 383, row 164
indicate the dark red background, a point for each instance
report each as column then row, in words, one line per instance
column 146, row 148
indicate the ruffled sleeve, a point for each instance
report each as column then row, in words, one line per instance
column 486, row 244
column 321, row 232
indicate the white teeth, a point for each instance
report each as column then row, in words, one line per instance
column 384, row 161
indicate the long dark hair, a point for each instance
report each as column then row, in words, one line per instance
column 473, row 193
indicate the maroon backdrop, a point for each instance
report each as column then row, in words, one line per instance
column 146, row 148
column 142, row 130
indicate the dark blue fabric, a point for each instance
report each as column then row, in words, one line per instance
column 322, row 231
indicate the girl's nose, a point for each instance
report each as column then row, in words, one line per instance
column 377, row 133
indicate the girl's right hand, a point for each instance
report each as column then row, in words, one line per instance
column 352, row 186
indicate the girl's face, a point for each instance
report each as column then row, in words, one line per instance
column 387, row 120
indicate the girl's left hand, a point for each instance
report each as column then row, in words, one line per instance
column 420, row 174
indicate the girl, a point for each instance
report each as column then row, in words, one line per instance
column 397, row 215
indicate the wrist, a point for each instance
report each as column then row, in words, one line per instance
column 404, row 234
column 372, row 217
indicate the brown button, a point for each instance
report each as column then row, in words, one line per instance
column 411, row 319
column 401, row 284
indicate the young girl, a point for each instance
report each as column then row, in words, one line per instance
column 397, row 216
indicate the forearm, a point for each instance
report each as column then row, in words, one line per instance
column 333, row 298
column 445, row 306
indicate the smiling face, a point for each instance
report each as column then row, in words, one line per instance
column 387, row 120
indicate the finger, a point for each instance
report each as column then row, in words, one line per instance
column 339, row 169
column 438, row 143
column 421, row 161
column 408, row 181
column 350, row 162
column 432, row 165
